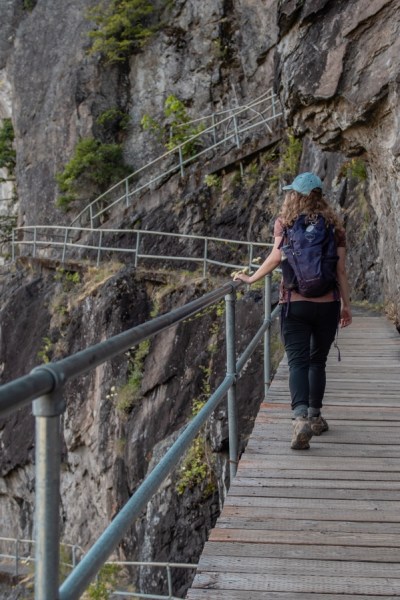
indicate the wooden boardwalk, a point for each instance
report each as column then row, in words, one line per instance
column 324, row 523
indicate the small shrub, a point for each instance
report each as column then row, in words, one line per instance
column 105, row 583
column 291, row 156
column 29, row 5
column 46, row 350
column 113, row 116
column 94, row 165
column 122, row 28
column 288, row 162
column 130, row 392
column 7, row 152
column 355, row 168
column 197, row 466
column 68, row 279
column 213, row 181
column 177, row 129
column 250, row 175
column 7, row 224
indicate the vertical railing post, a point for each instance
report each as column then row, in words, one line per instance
column 13, row 245
column 236, row 132
column 126, row 192
column 230, row 301
column 267, row 335
column 34, row 241
column 250, row 257
column 16, row 557
column 65, row 245
column 205, row 255
column 214, row 129
column 47, row 411
column 273, row 106
column 73, row 552
column 137, row 248
column 91, row 215
column 169, row 580
column 99, row 248
column 181, row 161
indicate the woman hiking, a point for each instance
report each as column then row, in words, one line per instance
column 309, row 323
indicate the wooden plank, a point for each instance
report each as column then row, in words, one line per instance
column 298, row 583
column 291, row 566
column 287, row 521
column 327, row 552
column 324, row 449
column 352, row 418
column 366, row 397
column 300, row 490
column 389, row 506
column 249, row 470
column 264, row 485
column 261, row 514
column 305, row 538
column 207, row 594
column 389, row 417
column 339, row 431
column 305, row 460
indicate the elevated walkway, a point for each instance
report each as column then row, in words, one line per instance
column 322, row 524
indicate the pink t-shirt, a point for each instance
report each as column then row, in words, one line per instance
column 295, row 296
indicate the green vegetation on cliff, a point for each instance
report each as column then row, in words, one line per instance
column 177, row 128
column 94, row 167
column 123, row 28
column 7, row 152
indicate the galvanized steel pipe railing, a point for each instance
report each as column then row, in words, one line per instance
column 263, row 112
column 57, row 237
column 45, row 385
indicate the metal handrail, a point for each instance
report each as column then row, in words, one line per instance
column 75, row 548
column 45, row 386
column 18, row 557
column 231, row 120
column 60, row 238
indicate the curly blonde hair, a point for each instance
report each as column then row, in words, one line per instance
column 313, row 204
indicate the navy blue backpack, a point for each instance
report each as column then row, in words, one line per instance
column 309, row 257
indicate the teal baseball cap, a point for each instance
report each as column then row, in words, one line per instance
column 304, row 183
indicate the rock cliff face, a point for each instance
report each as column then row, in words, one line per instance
column 335, row 66
column 338, row 76
column 203, row 56
column 335, row 70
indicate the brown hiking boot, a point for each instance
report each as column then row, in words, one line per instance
column 302, row 434
column 318, row 425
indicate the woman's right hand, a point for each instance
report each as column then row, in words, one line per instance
column 345, row 316
column 242, row 276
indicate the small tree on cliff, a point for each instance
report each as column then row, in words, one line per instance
column 177, row 128
column 7, row 152
column 123, row 28
column 92, row 169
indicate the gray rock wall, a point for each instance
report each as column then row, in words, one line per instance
column 208, row 55
column 338, row 79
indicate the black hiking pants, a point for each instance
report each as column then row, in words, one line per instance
column 308, row 330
